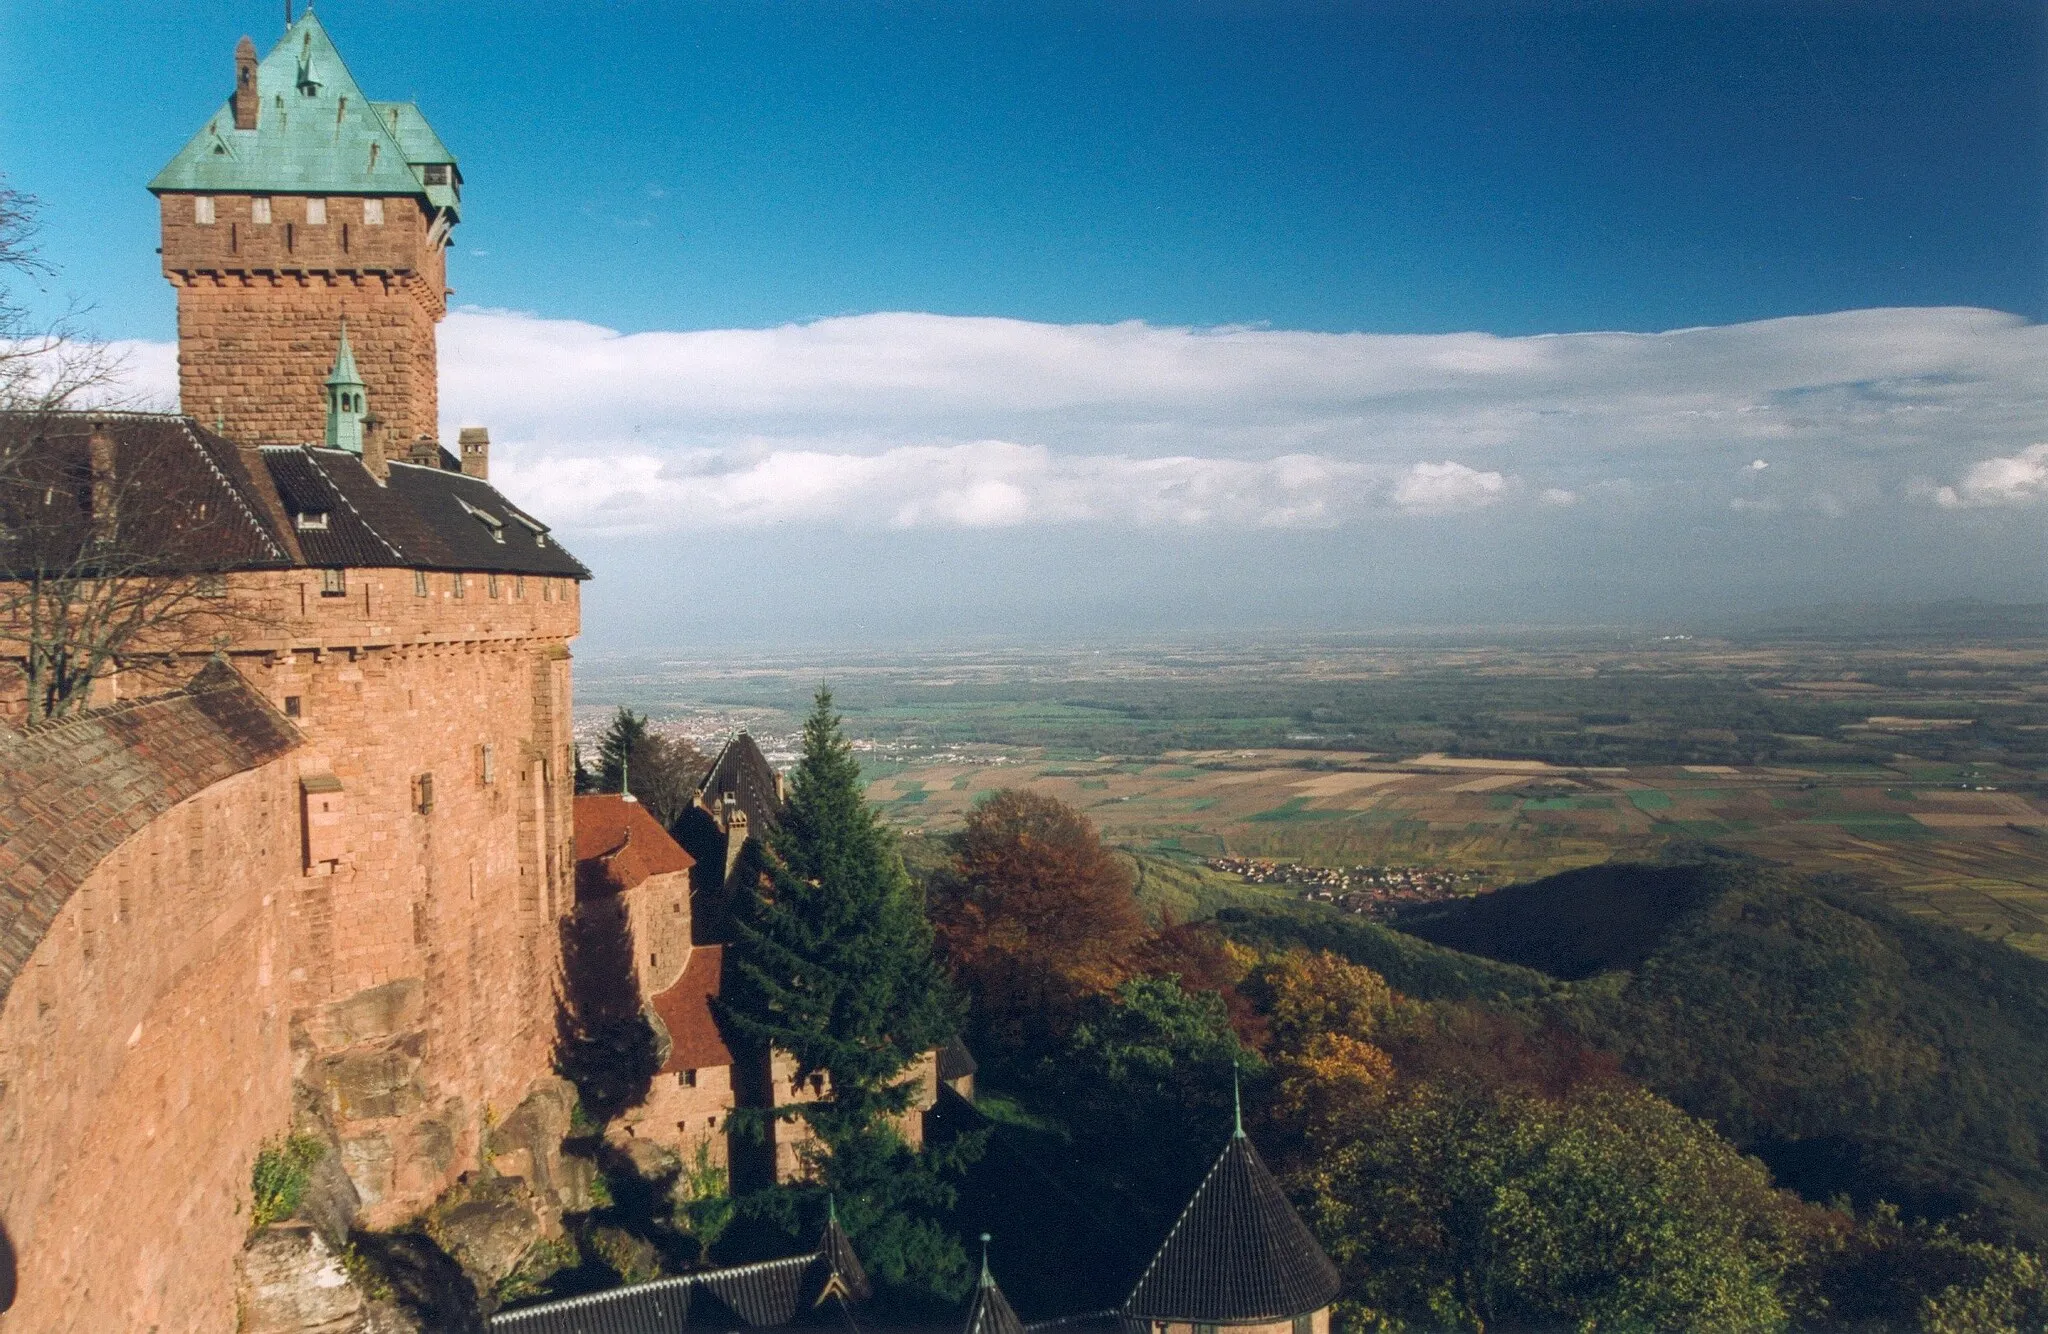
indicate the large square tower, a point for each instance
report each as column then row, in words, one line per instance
column 299, row 203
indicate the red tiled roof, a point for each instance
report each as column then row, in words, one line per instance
column 685, row 1010
column 619, row 845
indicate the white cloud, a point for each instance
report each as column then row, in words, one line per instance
column 916, row 421
column 2020, row 479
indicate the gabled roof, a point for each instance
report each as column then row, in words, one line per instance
column 1239, row 1254
column 685, row 1011
column 316, row 133
column 742, row 770
column 621, row 844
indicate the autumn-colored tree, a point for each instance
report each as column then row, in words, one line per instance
column 1035, row 916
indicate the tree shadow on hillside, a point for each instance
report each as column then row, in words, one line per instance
column 425, row 1281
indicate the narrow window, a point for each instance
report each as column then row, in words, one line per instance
column 292, row 708
column 490, row 763
column 344, row 238
column 259, row 209
column 202, row 210
column 316, row 213
column 547, row 590
column 518, row 588
column 333, row 583
column 423, row 794
column 419, row 583
column 373, row 213
column 373, row 157
column 459, row 589
column 291, row 237
column 491, row 583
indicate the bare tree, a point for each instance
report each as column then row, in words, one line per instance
column 110, row 549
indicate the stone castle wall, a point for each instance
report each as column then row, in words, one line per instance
column 393, row 966
column 144, row 1042
column 260, row 308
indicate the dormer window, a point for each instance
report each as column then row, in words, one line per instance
column 540, row 533
column 490, row 521
column 202, row 210
column 310, row 521
column 437, row 173
column 259, row 209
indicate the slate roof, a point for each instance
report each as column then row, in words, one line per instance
column 204, row 511
column 316, row 134
column 1238, row 1254
column 619, row 845
column 744, row 771
column 218, row 506
column 74, row 790
column 685, row 1011
column 989, row 1312
column 955, row 1061
column 756, row 1296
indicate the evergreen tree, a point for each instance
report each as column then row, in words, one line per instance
column 833, row 964
column 623, row 737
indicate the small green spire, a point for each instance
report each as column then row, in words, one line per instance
column 345, row 399
column 986, row 1281
column 832, row 1210
column 1236, row 1105
column 626, row 794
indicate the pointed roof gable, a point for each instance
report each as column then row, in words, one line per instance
column 1238, row 1254
column 990, row 1312
column 742, row 770
column 316, row 133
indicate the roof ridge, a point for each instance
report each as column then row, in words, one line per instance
column 241, row 502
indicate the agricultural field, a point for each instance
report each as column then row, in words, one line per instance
column 1914, row 760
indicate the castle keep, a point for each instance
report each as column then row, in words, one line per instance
column 305, row 859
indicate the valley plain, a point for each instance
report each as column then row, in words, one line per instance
column 1910, row 755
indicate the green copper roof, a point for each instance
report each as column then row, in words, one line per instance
column 315, row 134
column 344, row 372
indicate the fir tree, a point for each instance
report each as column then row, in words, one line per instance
column 623, row 737
column 833, row 965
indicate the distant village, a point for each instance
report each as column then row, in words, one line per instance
column 1373, row 891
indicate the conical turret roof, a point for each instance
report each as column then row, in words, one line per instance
column 1238, row 1254
column 344, row 372
column 990, row 1311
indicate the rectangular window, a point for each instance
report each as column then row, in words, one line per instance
column 313, row 521
column 316, row 213
column 547, row 590
column 460, row 589
column 491, row 584
column 373, row 213
column 259, row 209
column 1305, row 1324
column 292, row 707
column 202, row 210
column 437, row 173
column 489, row 756
column 333, row 583
column 419, row 583
column 213, row 586
column 518, row 588
column 423, row 794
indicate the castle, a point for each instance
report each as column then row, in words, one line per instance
column 312, row 851
column 295, row 849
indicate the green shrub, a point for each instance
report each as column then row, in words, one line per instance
column 278, row 1180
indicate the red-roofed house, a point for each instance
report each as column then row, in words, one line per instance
column 626, row 863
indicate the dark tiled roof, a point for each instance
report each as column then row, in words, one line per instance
column 228, row 508
column 685, row 1011
column 989, row 1312
column 619, row 845
column 757, row 1296
column 72, row 791
column 197, row 512
column 1239, row 1253
column 744, row 771
column 955, row 1061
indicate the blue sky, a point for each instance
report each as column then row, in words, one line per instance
column 687, row 226
column 1509, row 167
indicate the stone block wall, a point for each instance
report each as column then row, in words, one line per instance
column 145, row 1057
column 260, row 308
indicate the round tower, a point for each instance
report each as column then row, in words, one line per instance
column 301, row 197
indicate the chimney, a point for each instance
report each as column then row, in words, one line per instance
column 100, row 451
column 246, row 101
column 373, row 450
column 476, row 452
column 735, row 839
column 424, row 452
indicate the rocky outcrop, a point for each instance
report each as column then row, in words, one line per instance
column 527, row 1145
column 292, row 1282
column 488, row 1226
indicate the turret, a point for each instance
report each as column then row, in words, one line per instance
column 475, row 442
column 297, row 195
column 345, row 399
